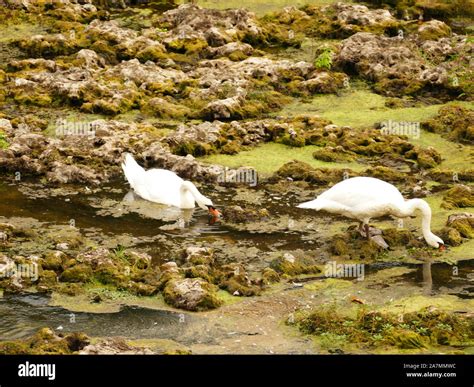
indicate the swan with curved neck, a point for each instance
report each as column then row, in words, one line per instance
column 165, row 187
column 363, row 198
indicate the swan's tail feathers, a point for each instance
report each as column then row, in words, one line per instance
column 324, row 204
column 133, row 172
column 315, row 204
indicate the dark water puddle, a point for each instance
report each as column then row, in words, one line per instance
column 444, row 278
column 22, row 315
column 435, row 278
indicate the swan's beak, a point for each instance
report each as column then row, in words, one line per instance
column 215, row 213
column 441, row 247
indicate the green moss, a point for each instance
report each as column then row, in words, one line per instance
column 339, row 246
column 333, row 154
column 240, row 286
column 387, row 174
column 3, row 141
column 455, row 122
column 270, row 276
column 413, row 330
column 459, row 196
column 77, row 273
column 450, row 236
column 292, row 266
column 45, row 342
column 298, row 170
column 464, row 226
column 204, row 298
column 187, row 46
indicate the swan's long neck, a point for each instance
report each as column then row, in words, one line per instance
column 187, row 186
column 419, row 204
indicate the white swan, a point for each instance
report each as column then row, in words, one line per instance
column 363, row 198
column 165, row 187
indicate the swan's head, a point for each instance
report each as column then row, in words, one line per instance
column 435, row 241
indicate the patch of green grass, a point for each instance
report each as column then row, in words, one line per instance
column 3, row 141
column 359, row 107
column 269, row 157
column 258, row 6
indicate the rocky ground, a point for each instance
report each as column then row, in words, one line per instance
column 83, row 82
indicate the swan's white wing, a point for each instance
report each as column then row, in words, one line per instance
column 163, row 186
column 359, row 197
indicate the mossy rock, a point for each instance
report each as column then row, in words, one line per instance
column 198, row 271
column 249, row 214
column 142, row 289
column 460, row 196
column 386, row 174
column 400, row 237
column 299, row 170
column 339, row 246
column 333, row 154
column 465, row 226
column 270, row 276
column 48, row 280
column 193, row 294
column 45, row 342
column 53, row 260
column 453, row 122
column 78, row 273
column 239, row 285
column 292, row 266
column 406, row 339
column 450, row 236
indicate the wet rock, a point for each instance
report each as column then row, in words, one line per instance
column 193, row 294
column 237, row 214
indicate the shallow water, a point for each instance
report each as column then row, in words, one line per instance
column 111, row 216
column 22, row 315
